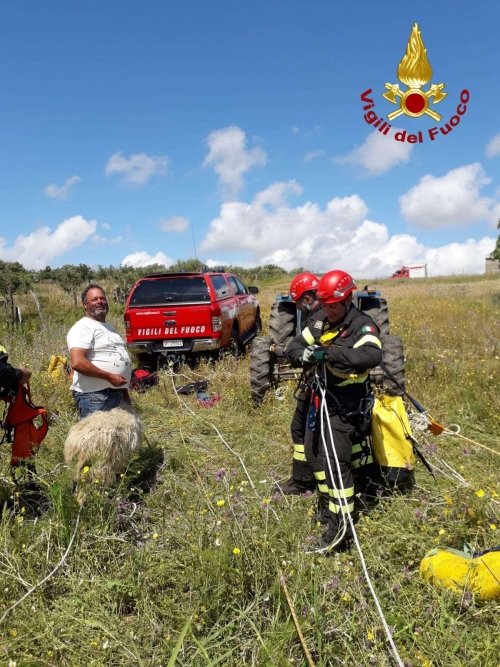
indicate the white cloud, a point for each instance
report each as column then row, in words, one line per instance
column 493, row 147
column 106, row 226
column 176, row 223
column 295, row 130
column 379, row 153
column 271, row 231
column 230, row 158
column 142, row 258
column 43, row 245
column 312, row 155
column 138, row 168
column 63, row 191
column 449, row 200
column 101, row 240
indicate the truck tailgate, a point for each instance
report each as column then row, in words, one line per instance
column 171, row 323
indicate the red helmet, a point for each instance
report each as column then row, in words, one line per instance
column 303, row 283
column 335, row 286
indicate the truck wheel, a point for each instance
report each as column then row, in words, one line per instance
column 283, row 321
column 234, row 348
column 377, row 309
column 258, row 325
column 261, row 368
column 394, row 359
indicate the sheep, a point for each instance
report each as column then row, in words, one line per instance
column 107, row 441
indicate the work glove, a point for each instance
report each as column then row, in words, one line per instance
column 320, row 355
column 307, row 356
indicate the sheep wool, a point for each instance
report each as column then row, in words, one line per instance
column 105, row 441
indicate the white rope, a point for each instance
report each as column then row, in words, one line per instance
column 252, row 485
column 40, row 583
column 351, row 522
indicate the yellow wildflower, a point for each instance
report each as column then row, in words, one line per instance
column 493, row 526
column 85, row 470
column 370, row 636
column 221, row 503
column 236, row 551
column 480, row 493
column 155, row 536
column 13, row 632
column 442, row 531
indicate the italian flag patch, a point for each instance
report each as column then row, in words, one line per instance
column 368, row 328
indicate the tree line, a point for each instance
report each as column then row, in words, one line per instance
column 15, row 279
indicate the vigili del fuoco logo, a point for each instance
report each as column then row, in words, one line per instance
column 414, row 72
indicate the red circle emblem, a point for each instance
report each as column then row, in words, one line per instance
column 415, row 103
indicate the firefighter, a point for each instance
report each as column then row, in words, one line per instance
column 303, row 293
column 344, row 347
column 10, row 377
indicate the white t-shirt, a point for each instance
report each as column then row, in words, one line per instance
column 106, row 351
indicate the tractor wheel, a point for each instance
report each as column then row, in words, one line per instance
column 261, row 368
column 283, row 322
column 378, row 311
column 394, row 359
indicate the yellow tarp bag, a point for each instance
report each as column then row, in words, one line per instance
column 391, row 439
column 461, row 571
column 57, row 366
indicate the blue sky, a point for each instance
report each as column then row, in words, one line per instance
column 127, row 127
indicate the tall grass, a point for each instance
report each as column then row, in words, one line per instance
column 179, row 564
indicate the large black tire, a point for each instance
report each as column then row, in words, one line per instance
column 377, row 309
column 394, row 359
column 283, row 322
column 261, row 368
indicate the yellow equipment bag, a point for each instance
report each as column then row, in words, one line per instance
column 391, row 439
column 57, row 366
column 460, row 571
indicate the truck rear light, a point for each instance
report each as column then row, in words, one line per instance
column 216, row 323
column 127, row 325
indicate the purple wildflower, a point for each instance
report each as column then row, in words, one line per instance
column 219, row 474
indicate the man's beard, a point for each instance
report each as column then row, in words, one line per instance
column 98, row 313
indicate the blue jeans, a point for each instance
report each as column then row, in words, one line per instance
column 95, row 401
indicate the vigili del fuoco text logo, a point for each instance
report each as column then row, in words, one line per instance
column 415, row 72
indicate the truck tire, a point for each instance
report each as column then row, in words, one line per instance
column 394, row 359
column 258, row 325
column 377, row 309
column 283, row 322
column 261, row 368
column 234, row 348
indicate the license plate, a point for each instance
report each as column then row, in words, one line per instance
column 172, row 343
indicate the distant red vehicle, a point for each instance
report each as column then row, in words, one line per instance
column 183, row 314
column 419, row 271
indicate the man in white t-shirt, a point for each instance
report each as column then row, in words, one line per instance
column 99, row 357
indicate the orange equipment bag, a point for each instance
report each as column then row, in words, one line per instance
column 20, row 427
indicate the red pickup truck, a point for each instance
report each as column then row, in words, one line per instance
column 174, row 314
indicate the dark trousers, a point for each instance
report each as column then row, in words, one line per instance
column 301, row 469
column 337, row 489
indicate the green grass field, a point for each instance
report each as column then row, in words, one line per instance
column 183, row 562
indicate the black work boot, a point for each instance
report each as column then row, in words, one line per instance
column 296, row 487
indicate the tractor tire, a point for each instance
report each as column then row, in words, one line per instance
column 377, row 309
column 261, row 368
column 283, row 322
column 394, row 359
